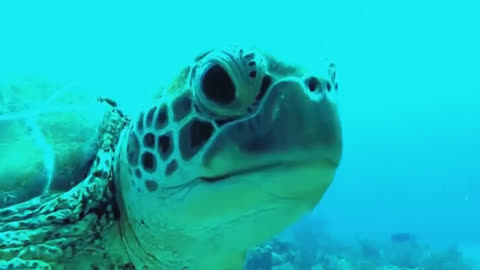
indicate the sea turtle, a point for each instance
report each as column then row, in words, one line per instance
column 236, row 148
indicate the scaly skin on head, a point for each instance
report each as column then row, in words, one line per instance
column 240, row 146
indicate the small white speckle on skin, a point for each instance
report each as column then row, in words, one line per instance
column 276, row 110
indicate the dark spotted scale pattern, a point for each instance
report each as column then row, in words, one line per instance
column 151, row 185
column 193, row 136
column 165, row 147
column 182, row 106
column 171, row 167
column 151, row 145
column 149, row 162
column 140, row 125
column 161, row 120
column 149, row 140
column 150, row 116
column 133, row 149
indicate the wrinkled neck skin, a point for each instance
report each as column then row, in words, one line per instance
column 209, row 248
column 115, row 251
column 186, row 233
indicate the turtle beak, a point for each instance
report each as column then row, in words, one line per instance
column 297, row 122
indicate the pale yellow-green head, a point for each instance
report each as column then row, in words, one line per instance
column 237, row 148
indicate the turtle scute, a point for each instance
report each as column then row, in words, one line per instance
column 48, row 135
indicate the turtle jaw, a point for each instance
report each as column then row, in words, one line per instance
column 295, row 125
column 276, row 179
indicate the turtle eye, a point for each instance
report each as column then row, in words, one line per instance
column 225, row 83
column 217, row 85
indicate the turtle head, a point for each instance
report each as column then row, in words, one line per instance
column 237, row 148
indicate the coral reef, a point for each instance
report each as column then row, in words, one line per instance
column 307, row 246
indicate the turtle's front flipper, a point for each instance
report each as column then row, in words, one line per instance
column 69, row 230
column 20, row 264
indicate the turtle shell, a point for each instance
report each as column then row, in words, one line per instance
column 48, row 134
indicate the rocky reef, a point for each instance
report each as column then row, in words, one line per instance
column 309, row 247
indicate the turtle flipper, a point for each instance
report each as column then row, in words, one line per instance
column 59, row 228
column 20, row 264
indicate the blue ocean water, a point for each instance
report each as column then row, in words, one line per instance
column 408, row 75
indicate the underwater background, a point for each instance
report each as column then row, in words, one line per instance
column 407, row 193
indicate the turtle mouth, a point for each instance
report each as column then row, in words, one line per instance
column 225, row 176
column 264, row 167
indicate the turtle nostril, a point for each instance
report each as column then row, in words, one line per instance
column 314, row 84
column 249, row 56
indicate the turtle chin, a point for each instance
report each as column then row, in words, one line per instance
column 251, row 207
column 289, row 180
